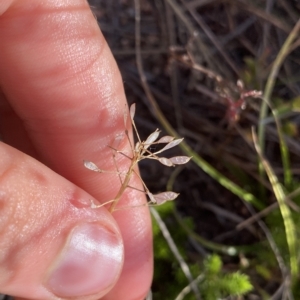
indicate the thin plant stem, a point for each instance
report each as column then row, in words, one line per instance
column 288, row 222
column 228, row 250
column 284, row 51
column 211, row 36
column 149, row 296
column 204, row 165
column 284, row 271
column 184, row 266
column 124, row 184
column 174, row 67
column 252, row 8
column 285, row 157
column 192, row 30
column 186, row 290
column 284, row 151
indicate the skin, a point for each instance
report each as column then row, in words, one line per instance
column 62, row 101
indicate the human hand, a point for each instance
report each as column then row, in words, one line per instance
column 63, row 101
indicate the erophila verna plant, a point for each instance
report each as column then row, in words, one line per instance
column 141, row 151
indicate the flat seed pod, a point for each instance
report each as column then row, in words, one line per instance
column 91, row 166
column 165, row 139
column 164, row 197
column 165, row 161
column 151, row 138
column 132, row 111
column 179, row 160
column 170, row 145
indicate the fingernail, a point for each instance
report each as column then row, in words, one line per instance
column 89, row 263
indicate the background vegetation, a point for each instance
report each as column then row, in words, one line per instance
column 223, row 74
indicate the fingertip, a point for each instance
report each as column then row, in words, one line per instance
column 54, row 244
column 89, row 262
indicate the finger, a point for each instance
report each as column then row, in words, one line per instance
column 53, row 245
column 71, row 101
column 12, row 129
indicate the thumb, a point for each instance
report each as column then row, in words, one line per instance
column 52, row 244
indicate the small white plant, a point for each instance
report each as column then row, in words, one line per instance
column 141, row 151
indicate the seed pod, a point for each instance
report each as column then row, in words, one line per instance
column 165, row 139
column 179, row 160
column 164, row 197
column 132, row 111
column 91, row 166
column 170, row 145
column 165, row 161
column 151, row 138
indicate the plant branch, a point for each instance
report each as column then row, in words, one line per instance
column 184, row 266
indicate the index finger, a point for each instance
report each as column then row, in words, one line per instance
column 60, row 78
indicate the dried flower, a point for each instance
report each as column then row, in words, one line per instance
column 141, row 151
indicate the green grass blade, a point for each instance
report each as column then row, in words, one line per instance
column 288, row 222
column 285, row 156
column 284, row 51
